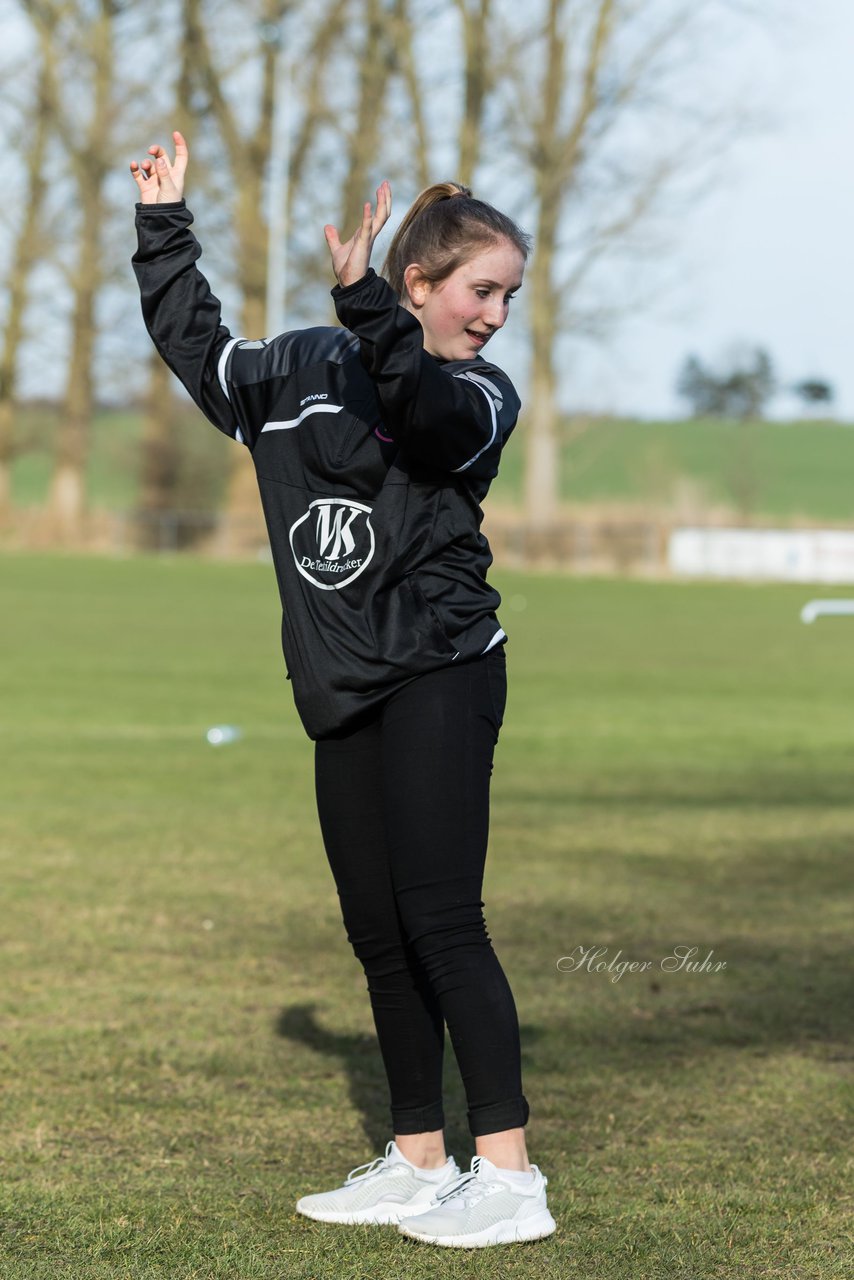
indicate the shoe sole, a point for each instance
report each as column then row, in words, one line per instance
column 536, row 1228
column 375, row 1214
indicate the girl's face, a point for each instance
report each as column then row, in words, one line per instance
column 461, row 313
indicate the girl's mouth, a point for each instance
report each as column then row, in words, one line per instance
column 479, row 338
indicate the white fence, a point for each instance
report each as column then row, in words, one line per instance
column 781, row 555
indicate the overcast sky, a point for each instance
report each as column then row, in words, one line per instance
column 768, row 258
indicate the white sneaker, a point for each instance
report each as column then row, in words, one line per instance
column 384, row 1190
column 482, row 1208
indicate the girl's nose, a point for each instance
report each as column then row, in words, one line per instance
column 495, row 313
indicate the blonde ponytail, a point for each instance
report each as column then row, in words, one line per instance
column 442, row 229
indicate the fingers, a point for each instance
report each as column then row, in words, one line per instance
column 373, row 223
column 146, row 181
column 168, row 189
column 351, row 261
column 182, row 153
column 140, row 172
column 384, row 201
column 383, row 208
column 154, row 177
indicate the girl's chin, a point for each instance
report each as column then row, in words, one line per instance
column 462, row 348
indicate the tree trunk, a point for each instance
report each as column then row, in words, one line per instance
column 160, row 455
column 244, row 514
column 24, row 256
column 67, row 495
column 363, row 145
column 541, row 487
column 403, row 43
column 7, row 436
column 475, row 16
column 160, row 448
column 542, row 462
column 557, row 151
column 91, row 158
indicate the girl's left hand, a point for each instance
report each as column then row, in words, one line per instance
column 159, row 181
column 350, row 261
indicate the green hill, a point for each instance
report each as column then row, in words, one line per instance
column 765, row 470
column 777, row 470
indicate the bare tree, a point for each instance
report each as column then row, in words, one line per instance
column 160, row 449
column 75, row 32
column 247, row 146
column 160, row 453
column 316, row 111
column 376, row 60
column 403, row 37
column 24, row 256
column 616, row 127
column 478, row 75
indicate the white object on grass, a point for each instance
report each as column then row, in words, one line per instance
column 827, row 608
column 221, row 734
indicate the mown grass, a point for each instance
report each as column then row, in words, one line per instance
column 767, row 470
column 187, row 1044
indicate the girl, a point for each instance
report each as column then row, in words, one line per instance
column 374, row 444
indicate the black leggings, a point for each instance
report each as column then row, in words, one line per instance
column 404, row 810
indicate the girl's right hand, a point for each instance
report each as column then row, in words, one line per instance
column 350, row 261
column 159, row 181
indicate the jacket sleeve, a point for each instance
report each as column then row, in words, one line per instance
column 454, row 416
column 233, row 381
column 181, row 313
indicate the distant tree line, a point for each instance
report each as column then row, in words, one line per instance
column 742, row 386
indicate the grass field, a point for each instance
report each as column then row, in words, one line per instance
column 186, row 1039
column 758, row 469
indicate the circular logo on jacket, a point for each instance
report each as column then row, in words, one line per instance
column 333, row 542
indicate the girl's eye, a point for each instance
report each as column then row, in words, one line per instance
column 482, row 293
column 509, row 297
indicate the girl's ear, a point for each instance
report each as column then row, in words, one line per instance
column 416, row 285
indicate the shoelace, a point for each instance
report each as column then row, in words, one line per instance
column 372, row 1166
column 463, row 1186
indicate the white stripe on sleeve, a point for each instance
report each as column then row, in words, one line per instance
column 482, row 383
column 220, row 369
column 223, row 381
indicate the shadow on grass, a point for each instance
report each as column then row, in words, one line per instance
column 787, row 787
column 765, row 913
column 359, row 1058
column 769, row 910
column 767, row 1000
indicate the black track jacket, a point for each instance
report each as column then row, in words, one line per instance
column 372, row 458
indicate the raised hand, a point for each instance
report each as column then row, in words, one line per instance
column 159, row 181
column 350, row 261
